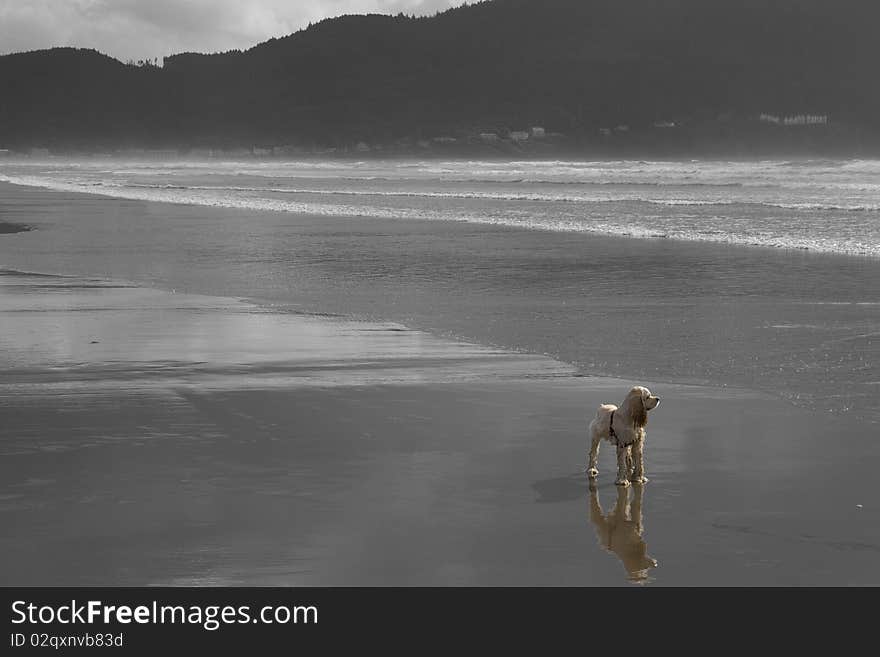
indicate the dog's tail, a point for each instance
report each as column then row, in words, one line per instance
column 605, row 410
column 602, row 421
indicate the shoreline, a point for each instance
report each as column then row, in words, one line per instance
column 484, row 358
column 355, row 318
column 441, row 323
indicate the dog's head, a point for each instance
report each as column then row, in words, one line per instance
column 639, row 401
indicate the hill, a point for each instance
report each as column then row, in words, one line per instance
column 578, row 67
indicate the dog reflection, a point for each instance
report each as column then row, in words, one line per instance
column 620, row 531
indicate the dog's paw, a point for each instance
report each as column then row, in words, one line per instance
column 592, row 473
column 622, row 482
column 639, row 480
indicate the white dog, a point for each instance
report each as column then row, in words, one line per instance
column 624, row 426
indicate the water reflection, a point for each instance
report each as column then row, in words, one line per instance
column 620, row 530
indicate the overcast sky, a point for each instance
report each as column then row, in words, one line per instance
column 138, row 29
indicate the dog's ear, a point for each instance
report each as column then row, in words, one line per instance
column 639, row 412
column 634, row 407
column 637, row 409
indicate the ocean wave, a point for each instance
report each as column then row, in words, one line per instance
column 871, row 207
column 675, row 202
column 488, row 195
column 712, row 228
column 505, row 196
column 520, row 178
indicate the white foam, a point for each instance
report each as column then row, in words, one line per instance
column 597, row 197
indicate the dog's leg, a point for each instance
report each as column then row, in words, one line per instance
column 638, row 473
column 629, row 461
column 595, row 439
column 622, row 473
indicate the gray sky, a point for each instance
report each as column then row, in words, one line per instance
column 137, row 29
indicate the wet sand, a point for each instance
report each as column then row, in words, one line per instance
column 798, row 325
column 158, row 438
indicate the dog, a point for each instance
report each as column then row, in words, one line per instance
column 623, row 426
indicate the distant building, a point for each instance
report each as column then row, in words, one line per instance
column 5, row 152
column 806, row 119
column 39, row 152
column 488, row 137
column 362, row 147
column 605, row 132
column 770, row 118
column 262, row 152
column 664, row 124
column 519, row 135
column 621, row 128
column 537, row 132
column 444, row 140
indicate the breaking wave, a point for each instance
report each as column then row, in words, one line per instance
column 827, row 207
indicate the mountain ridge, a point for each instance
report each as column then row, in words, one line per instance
column 578, row 67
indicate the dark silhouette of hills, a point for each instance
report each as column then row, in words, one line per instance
column 572, row 66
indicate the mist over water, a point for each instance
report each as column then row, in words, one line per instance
column 367, row 239
column 830, row 206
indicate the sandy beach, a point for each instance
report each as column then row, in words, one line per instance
column 151, row 437
column 378, row 321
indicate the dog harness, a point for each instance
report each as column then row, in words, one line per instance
column 613, row 436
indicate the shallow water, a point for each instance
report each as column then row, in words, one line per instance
column 61, row 332
column 801, row 325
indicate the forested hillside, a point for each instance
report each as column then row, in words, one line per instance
column 572, row 66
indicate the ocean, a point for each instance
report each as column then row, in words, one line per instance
column 759, row 274
column 830, row 206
